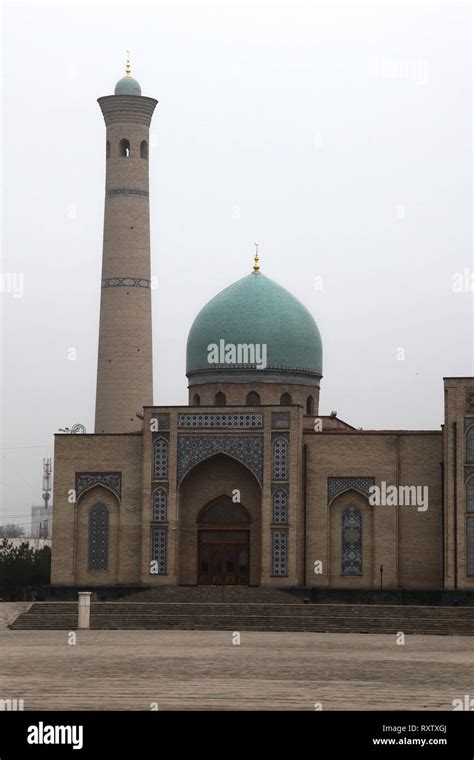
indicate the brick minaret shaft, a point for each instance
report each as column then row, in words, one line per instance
column 124, row 371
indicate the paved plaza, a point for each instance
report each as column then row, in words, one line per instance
column 194, row 670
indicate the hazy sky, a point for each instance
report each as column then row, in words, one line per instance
column 338, row 136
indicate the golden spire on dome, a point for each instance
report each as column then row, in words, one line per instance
column 256, row 261
column 128, row 67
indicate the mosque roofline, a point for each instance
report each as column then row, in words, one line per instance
column 345, row 431
column 219, row 409
column 84, row 435
column 373, row 432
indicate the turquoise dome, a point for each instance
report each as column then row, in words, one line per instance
column 127, row 86
column 255, row 310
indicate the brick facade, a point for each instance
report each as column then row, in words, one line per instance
column 418, row 548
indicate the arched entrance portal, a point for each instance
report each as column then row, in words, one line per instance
column 223, row 529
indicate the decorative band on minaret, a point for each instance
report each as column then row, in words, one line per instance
column 124, row 370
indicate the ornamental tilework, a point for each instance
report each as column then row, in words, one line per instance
column 160, row 505
column 351, row 535
column 247, row 449
column 98, row 549
column 280, row 507
column 86, row 480
column 468, row 421
column 280, row 487
column 470, row 544
column 236, row 421
column 158, row 549
column 280, row 420
column 126, row 191
column 162, row 419
column 125, row 282
column 470, row 445
column 337, row 486
column 161, row 455
column 468, row 471
column 280, row 459
column 470, row 495
column 280, row 553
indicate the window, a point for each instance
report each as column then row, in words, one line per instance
column 124, row 148
column 161, row 459
column 310, row 405
column 280, row 459
column 470, row 545
column 280, row 507
column 224, row 511
column 470, row 445
column 160, row 505
column 470, row 495
column 285, row 399
column 98, row 537
column 253, row 399
column 158, row 549
column 144, row 149
column 280, row 553
column 107, row 150
column 220, row 399
column 351, row 540
column 196, row 400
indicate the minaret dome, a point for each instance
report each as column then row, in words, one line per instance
column 128, row 85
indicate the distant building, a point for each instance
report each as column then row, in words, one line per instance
column 41, row 521
column 42, row 515
column 33, row 543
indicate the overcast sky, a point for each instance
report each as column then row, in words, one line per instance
column 338, row 136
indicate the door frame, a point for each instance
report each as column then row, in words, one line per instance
column 220, row 528
column 208, row 544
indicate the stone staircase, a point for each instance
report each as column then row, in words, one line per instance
column 9, row 611
column 244, row 609
column 213, row 594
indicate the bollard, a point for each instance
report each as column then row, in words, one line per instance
column 84, row 609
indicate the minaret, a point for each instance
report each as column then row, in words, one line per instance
column 124, row 370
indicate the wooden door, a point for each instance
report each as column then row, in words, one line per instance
column 223, row 563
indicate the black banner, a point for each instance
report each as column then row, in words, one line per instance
column 138, row 734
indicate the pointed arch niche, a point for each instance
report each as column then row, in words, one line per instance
column 350, row 541
column 96, row 537
column 217, row 494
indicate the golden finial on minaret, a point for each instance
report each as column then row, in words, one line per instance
column 256, row 261
column 128, row 67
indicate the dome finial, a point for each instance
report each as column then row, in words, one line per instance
column 128, row 66
column 256, row 261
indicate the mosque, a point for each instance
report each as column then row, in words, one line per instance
column 248, row 484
